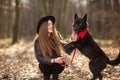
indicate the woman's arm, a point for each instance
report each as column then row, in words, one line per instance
column 43, row 60
column 39, row 56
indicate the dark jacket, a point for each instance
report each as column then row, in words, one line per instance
column 39, row 55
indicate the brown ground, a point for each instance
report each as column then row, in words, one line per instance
column 18, row 62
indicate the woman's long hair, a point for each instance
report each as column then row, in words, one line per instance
column 46, row 42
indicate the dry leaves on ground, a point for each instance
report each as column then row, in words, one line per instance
column 18, row 62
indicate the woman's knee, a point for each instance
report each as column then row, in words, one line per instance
column 45, row 69
column 57, row 68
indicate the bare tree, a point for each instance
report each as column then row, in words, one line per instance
column 16, row 24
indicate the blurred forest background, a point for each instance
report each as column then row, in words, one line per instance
column 18, row 18
column 18, row 21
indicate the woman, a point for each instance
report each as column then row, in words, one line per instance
column 47, row 49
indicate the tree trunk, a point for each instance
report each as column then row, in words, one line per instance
column 116, row 6
column 16, row 25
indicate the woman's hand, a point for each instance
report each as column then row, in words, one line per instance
column 74, row 35
column 59, row 60
column 63, row 41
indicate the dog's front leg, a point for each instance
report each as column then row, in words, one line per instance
column 69, row 47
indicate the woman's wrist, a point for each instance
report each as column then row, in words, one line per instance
column 52, row 60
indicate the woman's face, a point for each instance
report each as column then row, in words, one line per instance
column 50, row 26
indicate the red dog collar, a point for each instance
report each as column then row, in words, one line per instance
column 83, row 33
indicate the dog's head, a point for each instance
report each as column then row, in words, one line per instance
column 79, row 23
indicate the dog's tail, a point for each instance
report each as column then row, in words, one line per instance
column 115, row 61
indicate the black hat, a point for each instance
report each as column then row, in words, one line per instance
column 43, row 19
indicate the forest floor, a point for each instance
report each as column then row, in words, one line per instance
column 18, row 62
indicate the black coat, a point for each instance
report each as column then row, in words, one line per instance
column 39, row 55
column 45, row 63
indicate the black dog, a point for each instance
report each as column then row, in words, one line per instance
column 87, row 46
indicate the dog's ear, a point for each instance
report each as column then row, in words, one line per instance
column 85, row 17
column 76, row 16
